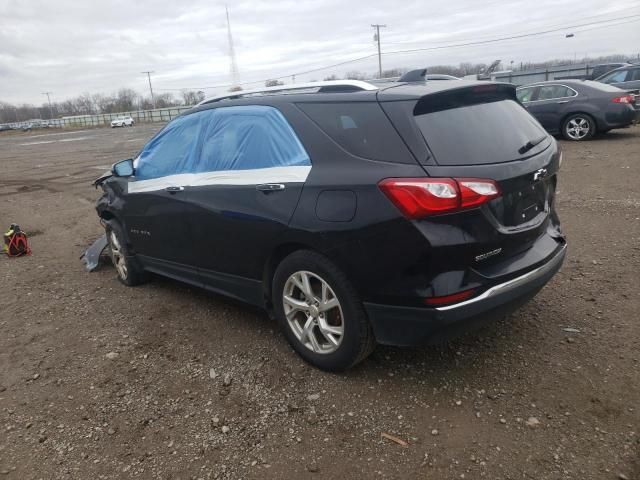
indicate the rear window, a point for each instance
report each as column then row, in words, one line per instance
column 360, row 128
column 614, row 77
column 603, row 87
column 476, row 133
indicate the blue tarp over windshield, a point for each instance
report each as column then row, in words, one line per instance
column 225, row 138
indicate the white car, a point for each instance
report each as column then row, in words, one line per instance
column 122, row 121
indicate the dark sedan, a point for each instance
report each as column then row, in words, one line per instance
column 578, row 109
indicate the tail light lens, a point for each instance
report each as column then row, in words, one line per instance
column 421, row 197
column 624, row 99
column 447, row 299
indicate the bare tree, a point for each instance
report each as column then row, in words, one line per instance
column 165, row 100
column 393, row 72
column 84, row 104
column 355, row 75
column 192, row 97
column 273, row 83
column 126, row 100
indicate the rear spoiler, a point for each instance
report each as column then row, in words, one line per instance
column 464, row 97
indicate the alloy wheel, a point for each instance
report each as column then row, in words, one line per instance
column 117, row 254
column 313, row 312
column 578, row 128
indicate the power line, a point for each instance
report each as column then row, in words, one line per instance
column 526, row 30
column 512, row 37
column 439, row 47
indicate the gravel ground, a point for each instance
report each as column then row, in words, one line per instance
column 102, row 381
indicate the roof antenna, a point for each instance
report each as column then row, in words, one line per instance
column 414, row 76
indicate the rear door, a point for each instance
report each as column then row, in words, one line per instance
column 251, row 171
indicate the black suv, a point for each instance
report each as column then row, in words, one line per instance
column 356, row 213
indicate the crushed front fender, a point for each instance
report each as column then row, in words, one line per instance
column 91, row 257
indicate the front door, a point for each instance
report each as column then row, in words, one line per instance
column 155, row 208
column 253, row 170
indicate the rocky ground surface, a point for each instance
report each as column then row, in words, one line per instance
column 102, row 381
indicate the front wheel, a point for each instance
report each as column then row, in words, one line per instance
column 578, row 127
column 320, row 312
column 129, row 272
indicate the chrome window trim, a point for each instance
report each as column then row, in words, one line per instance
column 550, row 85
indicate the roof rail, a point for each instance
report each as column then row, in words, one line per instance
column 330, row 86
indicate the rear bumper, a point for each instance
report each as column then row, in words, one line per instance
column 620, row 118
column 406, row 326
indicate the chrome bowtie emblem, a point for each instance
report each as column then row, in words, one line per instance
column 539, row 174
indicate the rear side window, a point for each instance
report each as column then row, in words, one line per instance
column 226, row 138
column 525, row 94
column 249, row 137
column 360, row 128
column 549, row 92
column 476, row 133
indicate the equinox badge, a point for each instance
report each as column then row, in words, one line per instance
column 484, row 256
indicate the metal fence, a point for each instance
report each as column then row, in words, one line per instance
column 104, row 119
column 522, row 77
column 542, row 74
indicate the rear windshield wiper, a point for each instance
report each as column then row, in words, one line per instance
column 530, row 144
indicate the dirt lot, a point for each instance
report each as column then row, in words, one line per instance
column 98, row 380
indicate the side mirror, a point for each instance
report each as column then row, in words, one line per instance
column 123, row 168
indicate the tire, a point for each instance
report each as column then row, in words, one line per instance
column 335, row 310
column 578, row 127
column 129, row 271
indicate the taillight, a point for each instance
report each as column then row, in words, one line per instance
column 421, row 197
column 624, row 99
column 446, row 299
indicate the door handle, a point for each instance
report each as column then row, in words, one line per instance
column 174, row 189
column 563, row 101
column 270, row 187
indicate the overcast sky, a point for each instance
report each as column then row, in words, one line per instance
column 70, row 47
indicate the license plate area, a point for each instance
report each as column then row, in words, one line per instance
column 524, row 204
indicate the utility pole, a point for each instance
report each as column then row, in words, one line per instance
column 49, row 100
column 376, row 37
column 153, row 100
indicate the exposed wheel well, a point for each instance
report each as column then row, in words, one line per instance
column 107, row 215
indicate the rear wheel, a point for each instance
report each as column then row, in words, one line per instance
column 320, row 312
column 578, row 127
column 129, row 272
